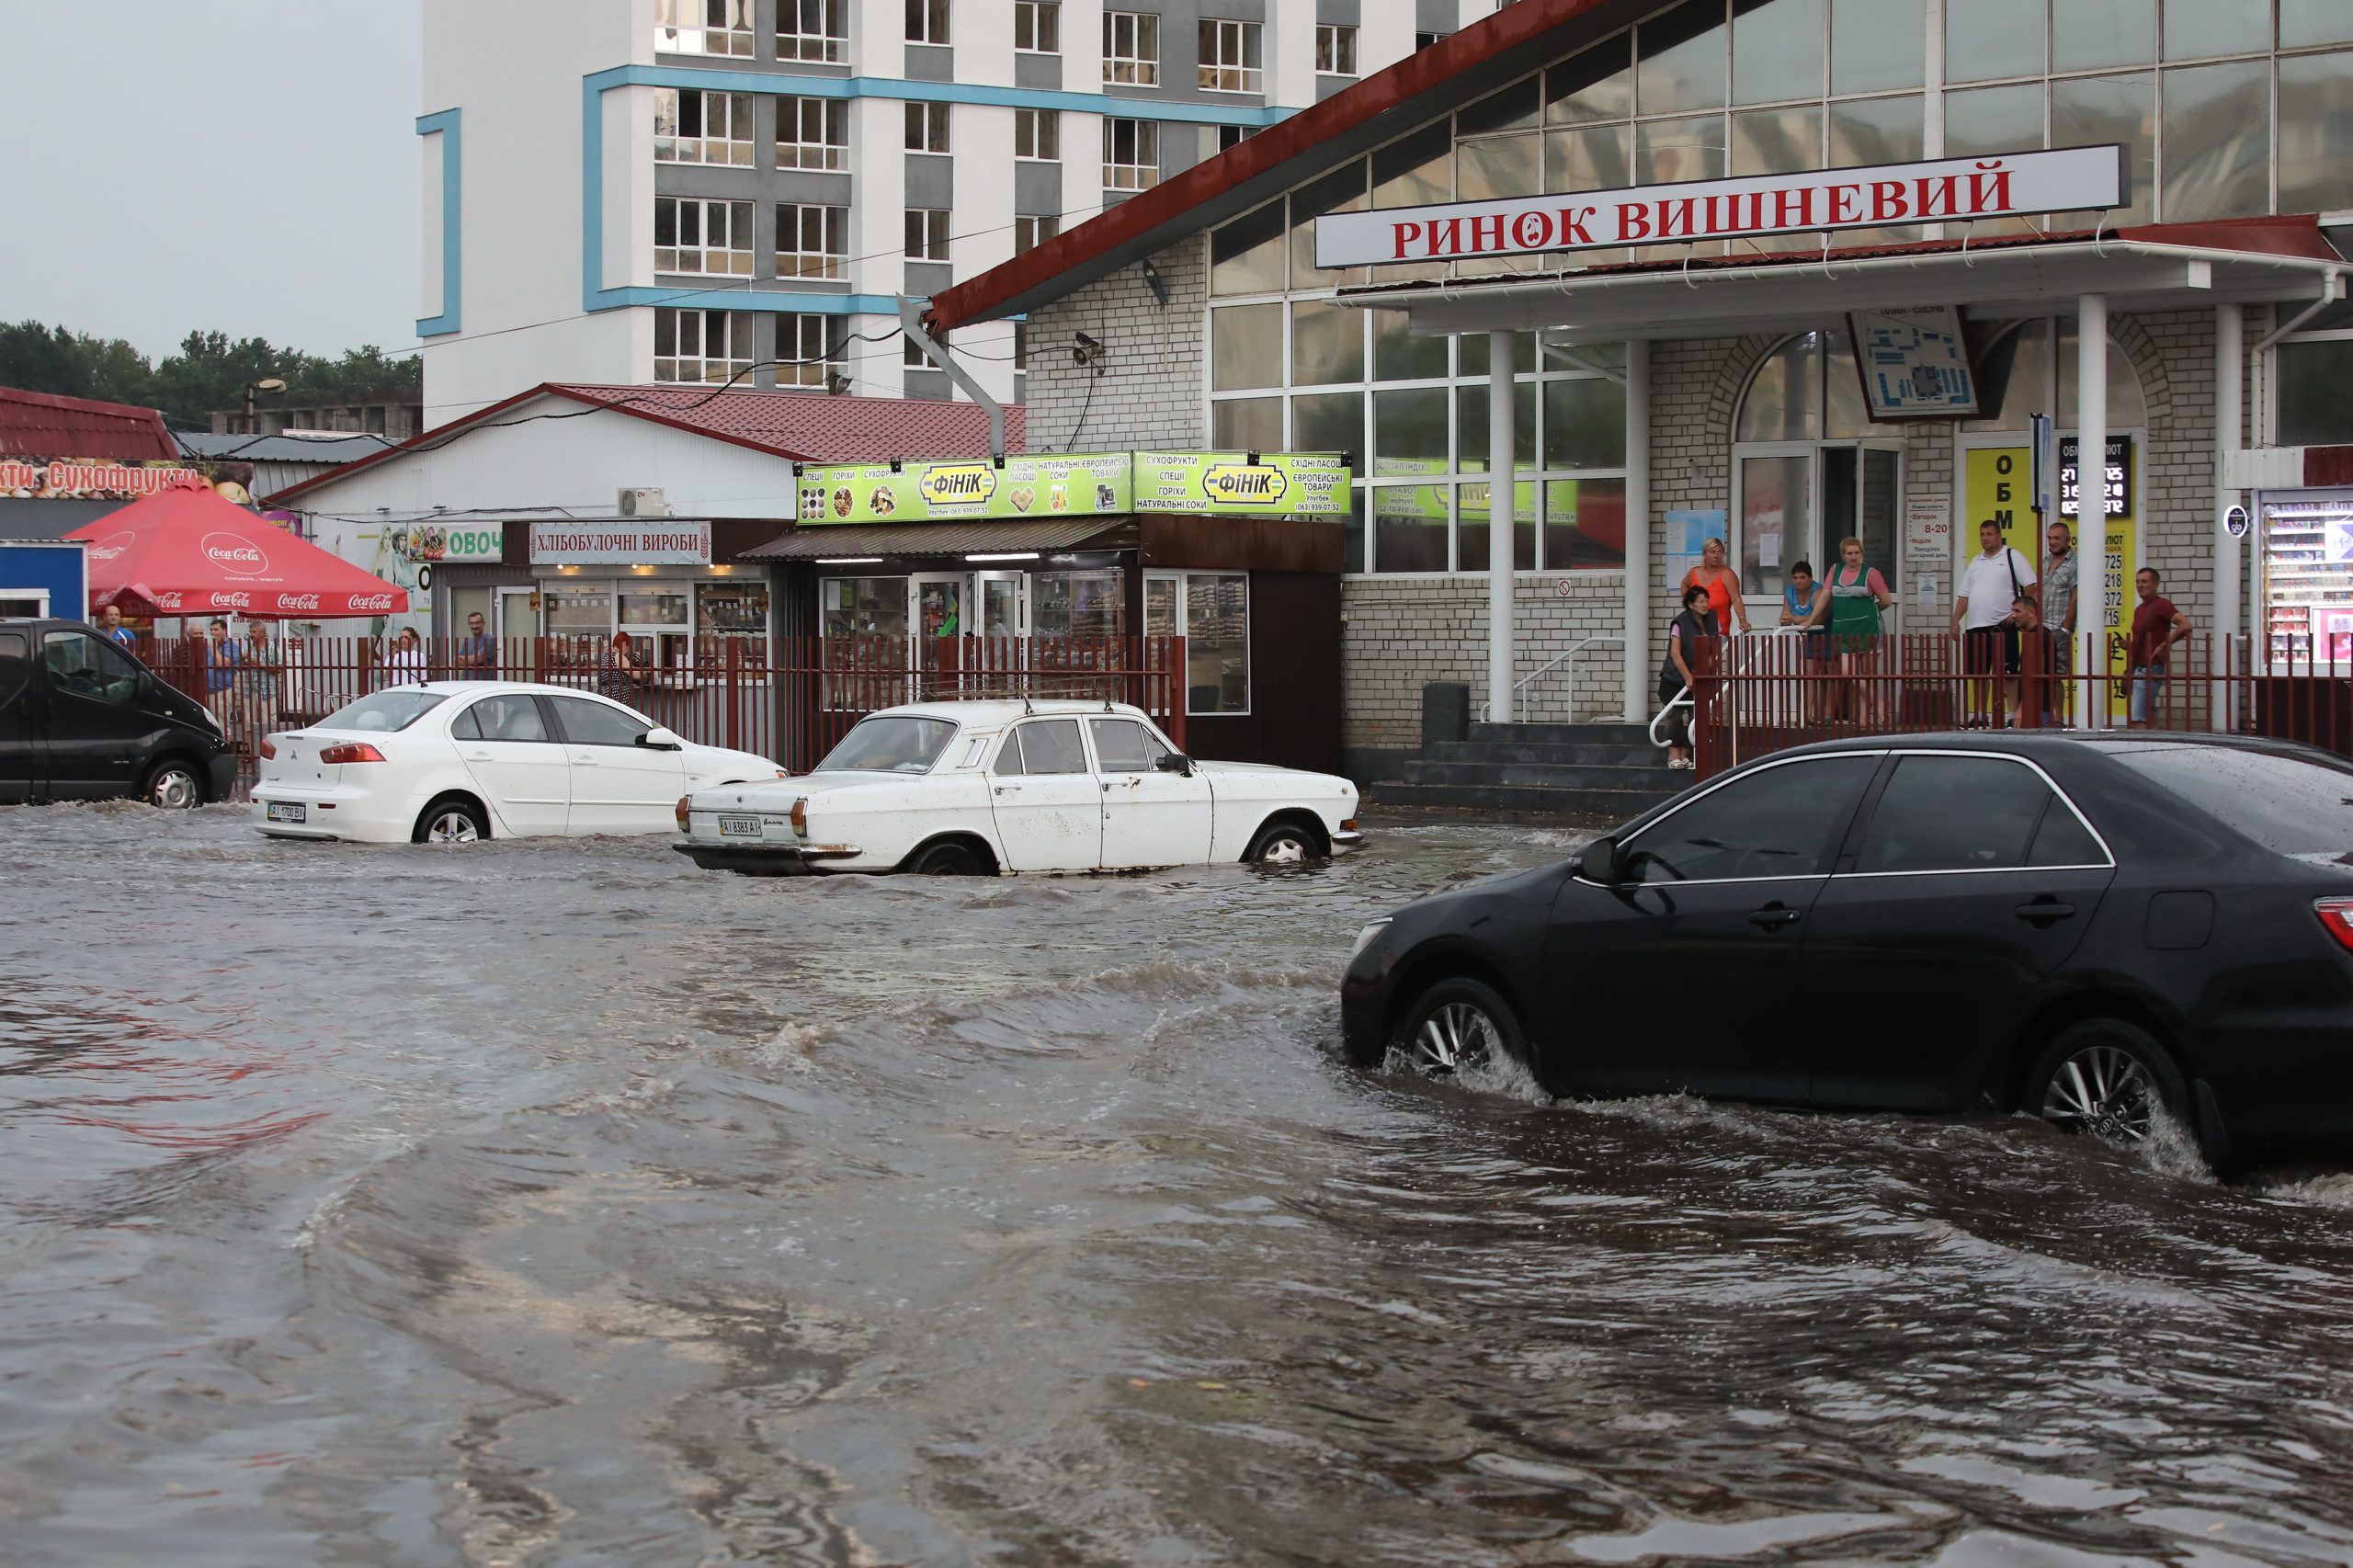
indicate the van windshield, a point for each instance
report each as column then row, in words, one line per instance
column 384, row 711
column 2291, row 803
column 890, row 745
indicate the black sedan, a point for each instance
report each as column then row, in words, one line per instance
column 2093, row 928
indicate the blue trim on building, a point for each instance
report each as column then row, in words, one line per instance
column 452, row 209
column 762, row 304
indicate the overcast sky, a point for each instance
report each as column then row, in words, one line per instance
column 246, row 164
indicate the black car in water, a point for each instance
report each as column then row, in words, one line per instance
column 2089, row 927
column 81, row 720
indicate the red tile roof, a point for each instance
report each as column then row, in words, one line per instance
column 41, row 425
column 804, row 426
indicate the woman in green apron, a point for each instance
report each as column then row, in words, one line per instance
column 1856, row 595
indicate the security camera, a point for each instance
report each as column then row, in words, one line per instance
column 1087, row 352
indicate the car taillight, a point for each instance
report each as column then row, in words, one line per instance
column 267, row 751
column 355, row 751
column 2336, row 918
column 801, row 818
column 682, row 811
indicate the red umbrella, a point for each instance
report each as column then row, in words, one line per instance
column 186, row 552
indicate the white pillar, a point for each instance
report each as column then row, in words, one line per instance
column 1502, row 498
column 2229, row 384
column 1638, row 530
column 2091, row 501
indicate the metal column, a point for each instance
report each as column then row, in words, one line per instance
column 2091, row 503
column 1638, row 530
column 1502, row 498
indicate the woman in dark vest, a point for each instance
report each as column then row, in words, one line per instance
column 1698, row 620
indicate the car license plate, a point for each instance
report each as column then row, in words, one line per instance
column 287, row 810
column 739, row 827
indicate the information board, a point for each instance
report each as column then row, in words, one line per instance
column 1913, row 362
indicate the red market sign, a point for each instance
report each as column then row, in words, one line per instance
column 88, row 479
column 2065, row 179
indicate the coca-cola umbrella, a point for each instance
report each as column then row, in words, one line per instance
column 185, row 550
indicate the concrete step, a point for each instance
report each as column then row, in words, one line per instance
column 1565, row 734
column 1546, row 776
column 1598, row 754
column 1610, row 806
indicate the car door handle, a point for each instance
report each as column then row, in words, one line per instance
column 477, row 756
column 2043, row 910
column 1772, row 918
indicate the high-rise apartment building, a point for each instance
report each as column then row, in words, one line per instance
column 688, row 191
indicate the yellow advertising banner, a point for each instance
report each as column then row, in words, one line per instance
column 1997, row 483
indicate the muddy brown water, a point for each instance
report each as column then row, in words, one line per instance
column 554, row 1202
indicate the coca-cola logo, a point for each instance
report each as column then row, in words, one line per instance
column 298, row 601
column 371, row 601
column 238, row 557
column 167, row 599
column 233, row 601
column 113, row 545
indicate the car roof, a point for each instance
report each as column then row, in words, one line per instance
column 2045, row 743
column 484, row 688
column 976, row 713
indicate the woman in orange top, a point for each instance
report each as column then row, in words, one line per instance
column 1722, row 584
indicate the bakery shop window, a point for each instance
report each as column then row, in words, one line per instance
column 1079, row 604
column 863, row 606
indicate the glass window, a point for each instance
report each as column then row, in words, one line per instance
column 1079, row 604
column 1327, row 343
column 1217, row 643
column 2064, row 840
column 732, row 609
column 2199, row 29
column 926, row 241
column 811, row 242
column 1775, row 51
column 1495, row 166
column 1342, row 191
column 928, row 128
column 1474, row 515
column 1954, row 814
column 1037, row 27
column 578, row 612
column 1470, row 428
column 1048, row 746
column 84, row 665
column 1593, row 83
column 1415, row 170
column 1409, row 434
column 2303, row 23
column 2217, row 142
column 1584, row 422
column 1410, row 524
column 927, row 21
column 2292, row 805
column 514, row 717
column 1781, row 405
column 702, row 236
column 811, row 134
column 1327, row 422
column 701, row 345
column 813, row 29
column 1680, row 58
column 1398, row 355
column 1246, row 346
column 1987, row 40
column 1247, row 424
column 1131, row 48
column 1992, row 119
column 1777, row 822
column 1230, row 57
column 12, row 665
column 1473, row 358
column 2089, row 110
column 587, row 723
column 1132, row 156
column 2317, row 132
column 703, row 128
column 1516, row 108
column 1775, row 140
column 1122, row 745
column 1598, row 157
column 1336, row 49
column 2317, row 392
column 1038, row 135
column 1876, row 45
column 1246, row 255
column 654, row 607
column 1884, row 130
column 1585, row 524
column 1667, row 151
column 2087, row 34
column 863, row 606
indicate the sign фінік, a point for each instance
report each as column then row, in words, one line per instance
column 2065, row 179
column 1079, row 484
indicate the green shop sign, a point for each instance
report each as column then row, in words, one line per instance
column 1276, row 484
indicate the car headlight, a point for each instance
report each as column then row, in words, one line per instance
column 1365, row 936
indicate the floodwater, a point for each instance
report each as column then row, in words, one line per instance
column 554, row 1202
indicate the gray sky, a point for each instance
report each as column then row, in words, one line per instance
column 246, row 164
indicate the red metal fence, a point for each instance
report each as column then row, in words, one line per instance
column 789, row 698
column 1762, row 694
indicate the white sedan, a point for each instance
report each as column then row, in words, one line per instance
column 452, row 761
column 981, row 788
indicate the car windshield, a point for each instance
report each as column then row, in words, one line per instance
column 384, row 711
column 890, row 745
column 2295, row 805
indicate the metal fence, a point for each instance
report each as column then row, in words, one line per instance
column 1763, row 694
column 787, row 698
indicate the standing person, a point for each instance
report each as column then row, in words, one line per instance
column 404, row 665
column 617, row 668
column 477, row 656
column 221, row 661
column 1852, row 598
column 1799, row 601
column 1674, row 678
column 1722, row 584
column 258, row 679
column 2030, row 694
column 2156, row 627
column 1989, row 584
column 2056, row 600
column 111, row 626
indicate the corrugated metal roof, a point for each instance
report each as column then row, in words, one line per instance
column 932, row 539
column 314, row 449
column 41, row 425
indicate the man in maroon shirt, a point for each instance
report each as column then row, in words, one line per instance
column 2156, row 627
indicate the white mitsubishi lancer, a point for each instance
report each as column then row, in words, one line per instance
column 976, row 788
column 452, row 761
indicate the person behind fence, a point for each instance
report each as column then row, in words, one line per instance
column 404, row 665
column 2030, row 680
column 1722, row 584
column 1799, row 601
column 221, row 661
column 2056, row 597
column 112, row 627
column 2156, row 627
column 618, row 671
column 257, row 680
column 477, row 655
column 1853, row 596
column 1697, row 620
column 1989, row 584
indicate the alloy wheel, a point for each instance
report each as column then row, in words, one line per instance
column 450, row 826
column 173, row 789
column 2103, row 1090
column 1455, row 1035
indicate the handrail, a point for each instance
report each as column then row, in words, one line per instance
column 1681, row 699
column 1519, row 687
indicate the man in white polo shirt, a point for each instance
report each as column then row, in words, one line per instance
column 1989, row 584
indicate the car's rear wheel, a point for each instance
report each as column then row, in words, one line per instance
column 951, row 859
column 450, row 821
column 2107, row 1078
column 172, row 785
column 1458, row 1026
column 1283, row 844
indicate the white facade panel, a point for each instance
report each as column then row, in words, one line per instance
column 429, row 227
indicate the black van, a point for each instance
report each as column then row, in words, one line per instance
column 81, row 720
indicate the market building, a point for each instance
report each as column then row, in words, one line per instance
column 1607, row 244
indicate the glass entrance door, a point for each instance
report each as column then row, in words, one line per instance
column 936, row 603
column 1862, row 497
column 1777, row 522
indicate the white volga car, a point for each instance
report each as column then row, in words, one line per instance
column 980, row 788
column 452, row 761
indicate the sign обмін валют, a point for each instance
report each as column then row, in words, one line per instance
column 603, row 543
column 1276, row 484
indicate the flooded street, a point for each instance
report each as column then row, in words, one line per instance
column 555, row 1203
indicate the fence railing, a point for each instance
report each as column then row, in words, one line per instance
column 787, row 698
column 1777, row 691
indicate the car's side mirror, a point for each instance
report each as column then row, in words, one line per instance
column 660, row 739
column 1600, row 861
column 1174, row 762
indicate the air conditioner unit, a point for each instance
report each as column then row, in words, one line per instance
column 644, row 501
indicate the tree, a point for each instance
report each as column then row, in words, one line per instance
column 210, row 371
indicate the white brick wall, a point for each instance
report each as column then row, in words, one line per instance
column 1149, row 393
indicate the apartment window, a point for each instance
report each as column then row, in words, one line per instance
column 703, row 27
column 1038, row 133
column 1130, row 154
column 1336, row 49
column 813, row 29
column 1230, row 60
column 1424, row 40
column 1038, row 25
column 811, row 134
column 1131, row 48
column 927, row 21
column 811, row 242
column 809, row 351
column 926, row 233
column 1029, row 233
column 701, row 345
column 911, row 354
column 1231, row 136
column 1211, row 611
column 702, row 236
column 926, row 127
column 703, row 128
